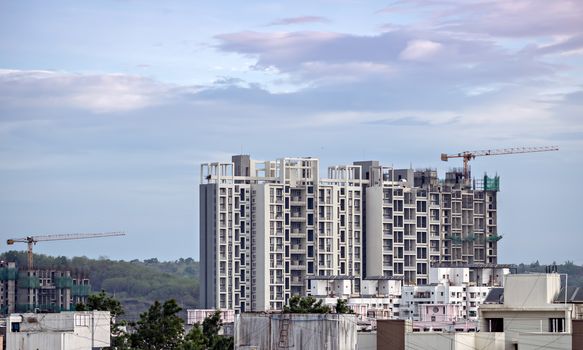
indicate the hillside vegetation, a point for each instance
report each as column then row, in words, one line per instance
column 136, row 284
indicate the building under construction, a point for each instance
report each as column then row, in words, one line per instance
column 267, row 227
column 40, row 290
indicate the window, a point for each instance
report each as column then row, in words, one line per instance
column 82, row 320
column 495, row 324
column 556, row 325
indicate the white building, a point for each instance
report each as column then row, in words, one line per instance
column 530, row 312
column 266, row 227
column 58, row 331
column 378, row 298
column 465, row 287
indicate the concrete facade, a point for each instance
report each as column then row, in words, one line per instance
column 266, row 227
column 295, row 331
column 58, row 331
column 528, row 316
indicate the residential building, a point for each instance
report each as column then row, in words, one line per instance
column 266, row 227
column 379, row 297
column 58, row 331
column 454, row 292
column 532, row 311
column 40, row 290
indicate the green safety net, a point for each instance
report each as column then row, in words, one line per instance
column 8, row 273
column 491, row 183
column 64, row 282
column 28, row 282
column 81, row 290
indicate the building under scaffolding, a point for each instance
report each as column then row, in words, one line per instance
column 42, row 290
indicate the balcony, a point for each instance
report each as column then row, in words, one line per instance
column 297, row 264
column 297, row 249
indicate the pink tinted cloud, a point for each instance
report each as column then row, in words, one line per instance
column 299, row 20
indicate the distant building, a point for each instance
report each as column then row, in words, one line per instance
column 41, row 290
column 266, row 227
column 57, row 331
column 194, row 316
column 197, row 316
column 460, row 289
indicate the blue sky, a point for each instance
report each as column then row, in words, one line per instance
column 107, row 108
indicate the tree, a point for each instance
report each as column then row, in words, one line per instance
column 306, row 305
column 159, row 328
column 342, row 307
column 206, row 336
column 194, row 340
column 103, row 302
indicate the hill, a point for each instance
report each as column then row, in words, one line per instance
column 136, row 284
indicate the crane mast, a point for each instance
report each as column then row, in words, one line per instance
column 32, row 240
column 469, row 155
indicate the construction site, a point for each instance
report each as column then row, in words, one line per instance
column 46, row 290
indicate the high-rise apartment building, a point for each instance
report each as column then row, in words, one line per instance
column 267, row 227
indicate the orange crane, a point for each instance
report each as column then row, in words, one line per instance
column 32, row 240
column 469, row 155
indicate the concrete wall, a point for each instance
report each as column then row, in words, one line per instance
column 262, row 248
column 366, row 341
column 207, row 247
column 531, row 290
column 304, row 331
column 430, row 340
column 374, row 231
column 489, row 341
column 535, row 341
column 65, row 330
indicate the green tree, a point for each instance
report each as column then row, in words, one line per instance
column 194, row 340
column 104, row 302
column 159, row 328
column 306, row 305
column 342, row 307
column 206, row 336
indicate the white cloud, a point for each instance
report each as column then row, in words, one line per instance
column 420, row 50
column 97, row 93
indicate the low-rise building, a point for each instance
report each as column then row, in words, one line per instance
column 58, row 331
column 379, row 297
column 532, row 311
column 465, row 286
column 529, row 314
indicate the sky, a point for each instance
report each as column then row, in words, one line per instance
column 108, row 108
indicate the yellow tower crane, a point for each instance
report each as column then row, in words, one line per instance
column 32, row 240
column 469, row 155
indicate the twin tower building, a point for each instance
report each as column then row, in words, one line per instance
column 268, row 227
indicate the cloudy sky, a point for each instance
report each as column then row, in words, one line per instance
column 107, row 108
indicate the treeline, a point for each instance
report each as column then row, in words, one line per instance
column 575, row 272
column 136, row 284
